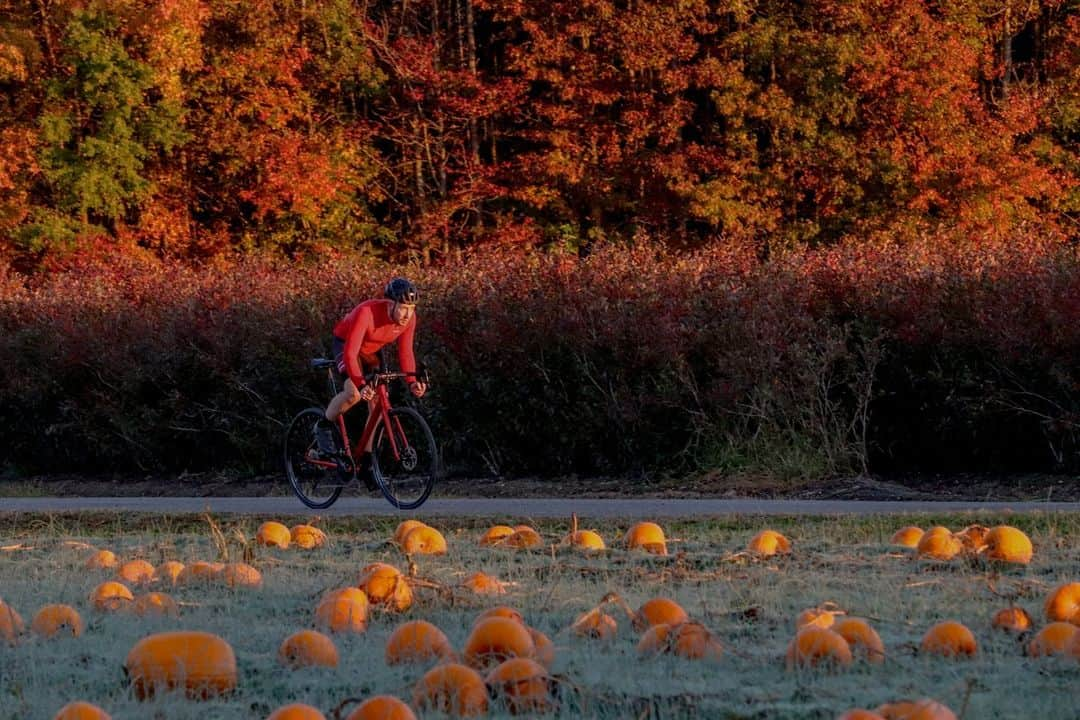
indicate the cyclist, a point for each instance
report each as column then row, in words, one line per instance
column 358, row 337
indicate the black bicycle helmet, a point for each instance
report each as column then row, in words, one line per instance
column 401, row 290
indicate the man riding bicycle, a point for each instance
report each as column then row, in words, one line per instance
column 358, row 337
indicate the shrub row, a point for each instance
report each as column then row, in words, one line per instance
column 927, row 357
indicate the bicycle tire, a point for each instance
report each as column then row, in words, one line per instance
column 299, row 442
column 406, row 481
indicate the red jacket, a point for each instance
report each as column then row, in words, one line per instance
column 367, row 328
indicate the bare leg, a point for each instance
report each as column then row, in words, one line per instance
column 344, row 400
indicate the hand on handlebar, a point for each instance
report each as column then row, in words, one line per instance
column 367, row 392
column 418, row 388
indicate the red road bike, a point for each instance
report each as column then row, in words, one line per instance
column 404, row 459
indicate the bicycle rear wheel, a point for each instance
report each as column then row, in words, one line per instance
column 317, row 486
column 406, row 467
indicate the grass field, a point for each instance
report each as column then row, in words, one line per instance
column 847, row 561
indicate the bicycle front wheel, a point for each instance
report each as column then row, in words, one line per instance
column 314, row 480
column 405, row 461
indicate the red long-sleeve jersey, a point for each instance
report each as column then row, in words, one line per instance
column 367, row 328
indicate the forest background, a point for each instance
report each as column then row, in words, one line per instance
column 781, row 238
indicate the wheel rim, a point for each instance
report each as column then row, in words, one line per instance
column 313, row 484
column 406, row 479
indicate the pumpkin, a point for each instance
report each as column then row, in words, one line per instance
column 1007, row 544
column 307, row 648
column 545, row 649
column 907, row 537
column 136, row 572
column 523, row 538
column 11, row 623
column 53, row 620
column 199, row 572
column 453, row 689
column 586, row 540
column 157, row 604
column 484, row 584
column 595, row 624
column 273, row 534
column 385, row 585
column 495, row 639
column 80, row 710
column 424, row 541
column 659, row 611
column 496, row 534
column 200, row 663
column 861, row 638
column 111, row 596
column 647, row 536
column 240, row 575
column 815, row 645
column 1063, row 604
column 403, row 529
column 769, row 542
column 1011, row 619
column 1054, row 639
column 924, row 709
column 500, row 611
column 815, row 616
column 382, row 707
column 949, row 639
column 170, row 570
column 860, row 714
column 296, row 711
column 417, row 641
column 973, row 537
column 344, row 610
column 306, row 537
column 688, row 639
column 523, row 684
column 102, row 560
column 938, row 546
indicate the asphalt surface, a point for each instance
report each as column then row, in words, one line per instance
column 526, row 507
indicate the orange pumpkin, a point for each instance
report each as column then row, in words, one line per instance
column 199, row 572
column 815, row 645
column 523, row 538
column 382, row 707
column 306, row 537
column 296, row 711
column 595, row 624
column 200, row 663
column 11, row 623
column 111, row 596
column 688, row 639
column 484, row 584
column 585, row 540
column 495, row 639
column 907, row 537
column 500, row 611
column 647, row 536
column 170, row 570
column 949, row 639
column 659, row 611
column 1011, row 619
column 273, row 534
column 80, row 710
column 973, row 537
column 769, row 542
column 925, row 709
column 1007, row 544
column 417, row 641
column 861, row 638
column 523, row 684
column 424, row 541
column 240, row 575
column 102, row 560
column 1054, row 639
column 385, row 585
column 496, row 535
column 815, row 616
column 545, row 649
column 1063, row 604
column 453, row 689
column 308, row 648
column 136, row 572
column 157, row 604
column 938, row 546
column 344, row 610
column 404, row 528
column 53, row 620
column 860, row 714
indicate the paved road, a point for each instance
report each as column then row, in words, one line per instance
column 530, row 507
